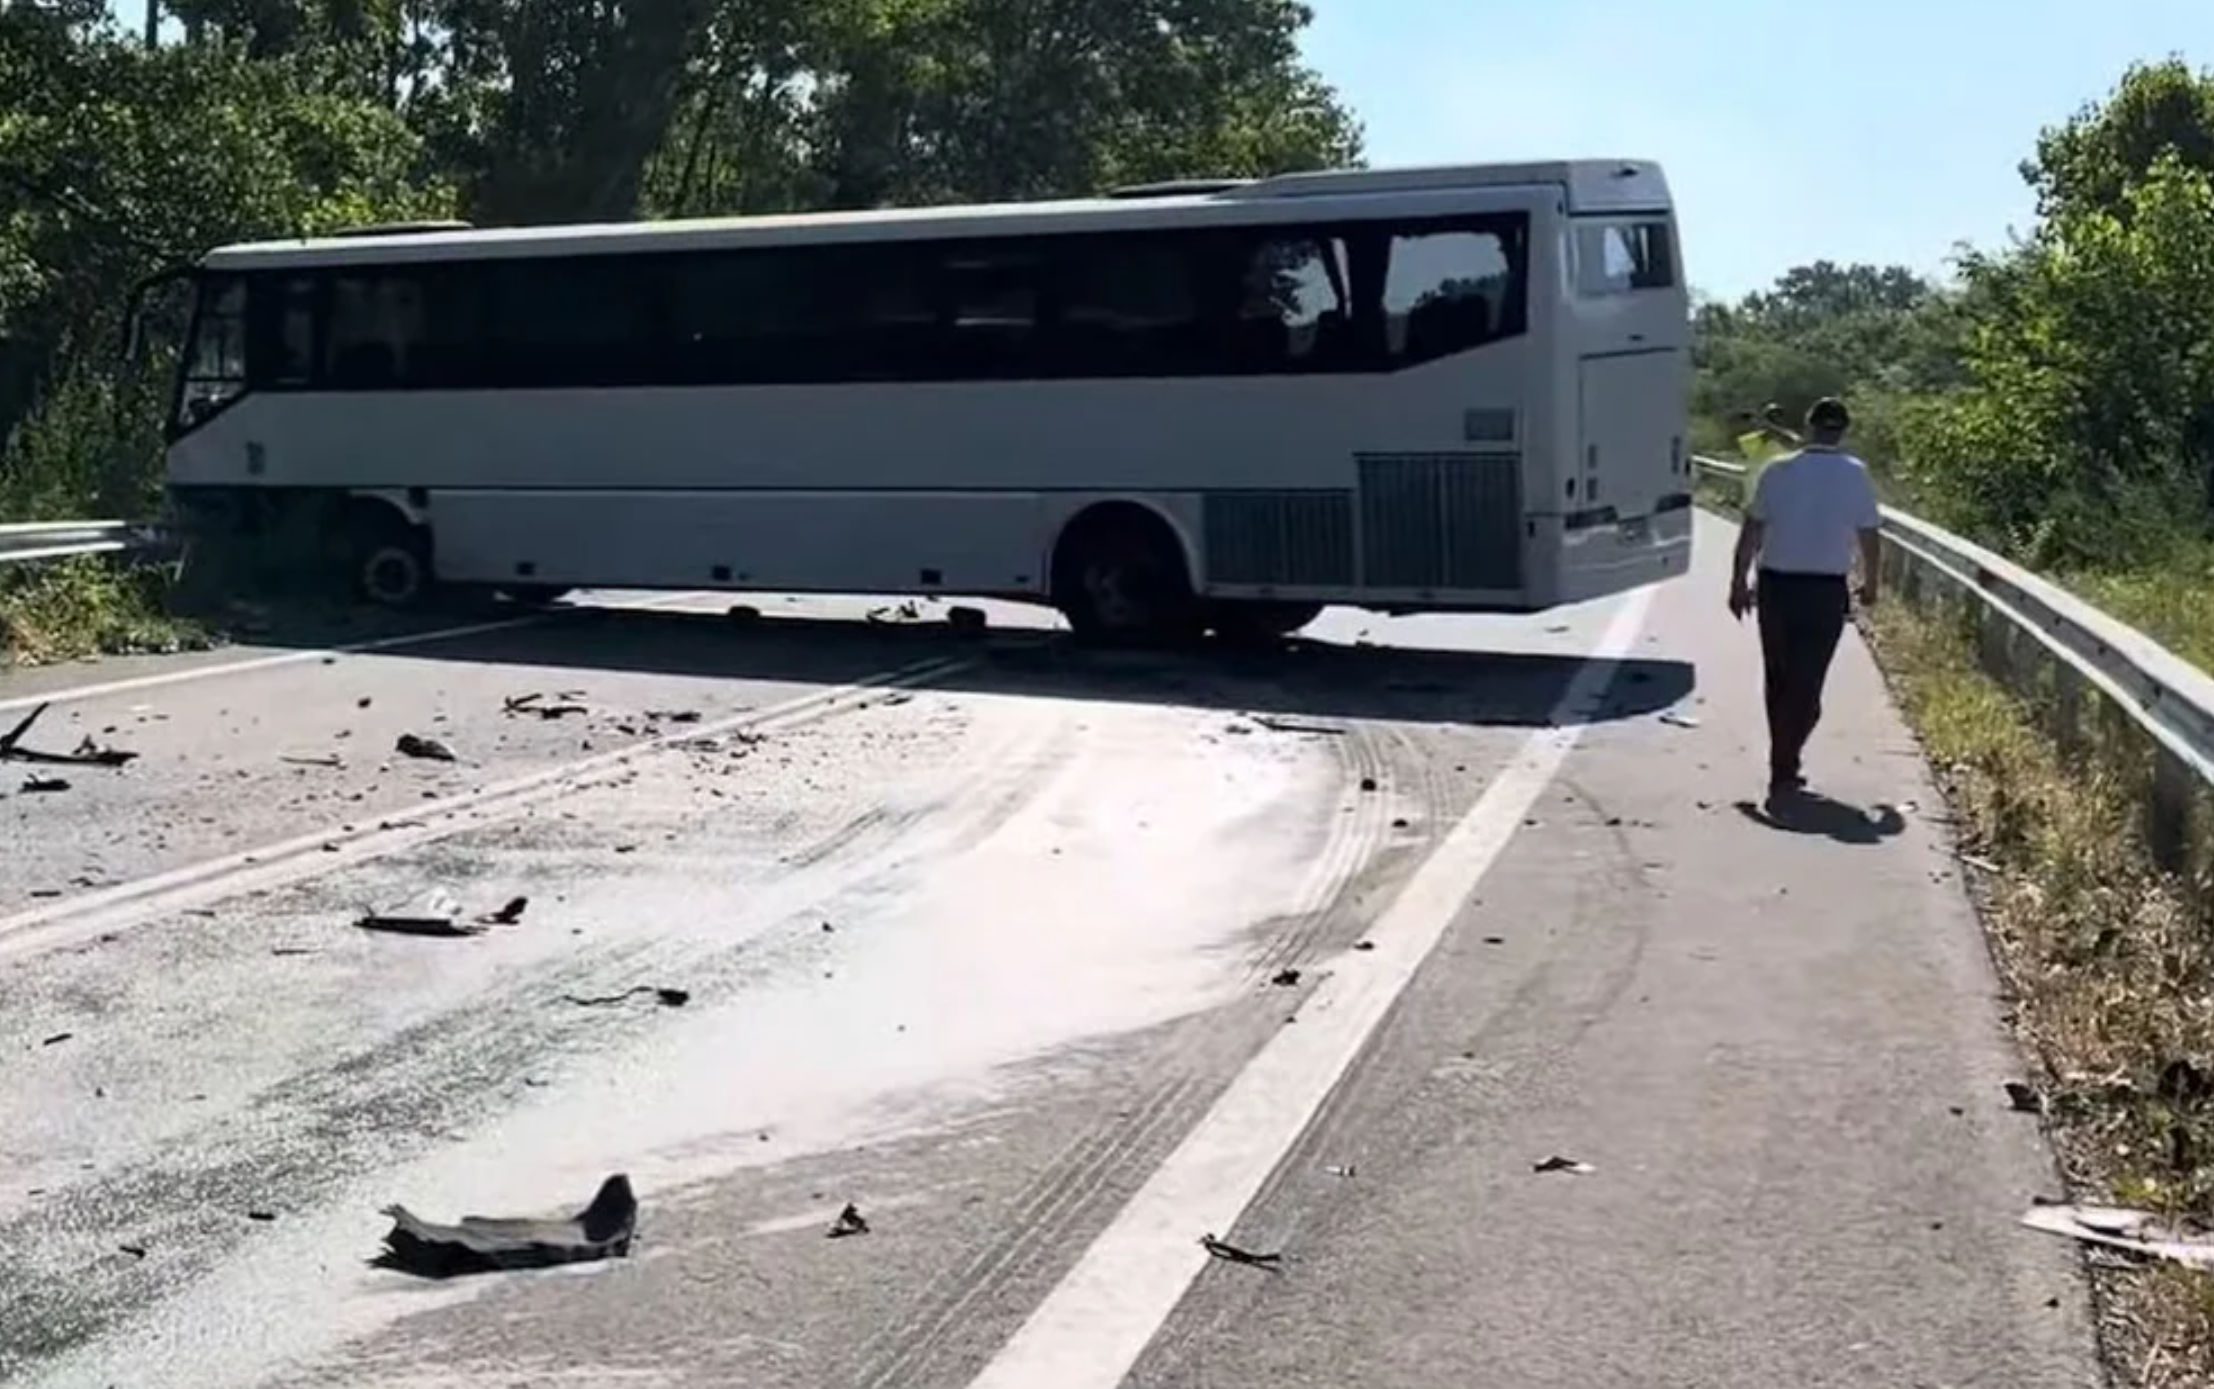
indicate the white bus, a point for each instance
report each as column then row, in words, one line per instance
column 1214, row 404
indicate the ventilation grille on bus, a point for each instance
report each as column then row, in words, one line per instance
column 1280, row 538
column 1441, row 521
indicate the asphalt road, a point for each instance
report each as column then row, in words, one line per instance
column 994, row 938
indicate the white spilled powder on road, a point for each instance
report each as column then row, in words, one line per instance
column 1118, row 894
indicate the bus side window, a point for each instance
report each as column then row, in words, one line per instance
column 376, row 325
column 215, row 367
column 992, row 306
column 1293, row 316
column 1127, row 307
column 281, row 344
column 1448, row 292
column 1623, row 257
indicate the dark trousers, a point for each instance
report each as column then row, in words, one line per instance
column 1801, row 618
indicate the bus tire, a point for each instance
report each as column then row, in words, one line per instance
column 1244, row 620
column 1120, row 579
column 391, row 560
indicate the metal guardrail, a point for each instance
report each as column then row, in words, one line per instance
column 2049, row 645
column 61, row 539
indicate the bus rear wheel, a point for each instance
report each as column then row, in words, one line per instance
column 392, row 562
column 1259, row 619
column 1120, row 580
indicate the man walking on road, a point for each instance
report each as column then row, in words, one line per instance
column 1807, row 513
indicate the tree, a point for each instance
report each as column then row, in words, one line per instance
column 2090, row 162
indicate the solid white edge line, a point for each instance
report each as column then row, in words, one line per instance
column 1092, row 1328
column 318, row 853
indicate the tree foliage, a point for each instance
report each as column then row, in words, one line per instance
column 291, row 117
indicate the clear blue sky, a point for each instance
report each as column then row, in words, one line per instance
column 1792, row 130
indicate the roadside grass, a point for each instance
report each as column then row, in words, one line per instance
column 2109, row 969
column 87, row 606
column 2171, row 602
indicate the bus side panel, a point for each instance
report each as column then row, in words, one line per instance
column 886, row 542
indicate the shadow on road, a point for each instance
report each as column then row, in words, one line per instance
column 1810, row 812
column 1291, row 678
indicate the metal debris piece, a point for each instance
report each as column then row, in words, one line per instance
column 136, row 1251
column 43, row 785
column 428, row 749
column 566, row 703
column 2024, row 1097
column 1348, row 1171
column 57, row 1039
column 507, row 915
column 1364, row 945
column 1286, row 979
column 478, row 1244
column 667, row 998
column 850, row 1222
column 674, row 715
column 1676, row 720
column 1368, row 783
column 1231, row 1254
column 433, row 913
column 1278, row 725
column 263, row 1216
column 2115, row 1227
column 1557, row 1163
column 330, row 760
column 1980, row 864
column 88, row 753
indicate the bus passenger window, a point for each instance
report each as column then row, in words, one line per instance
column 215, row 368
column 1293, row 316
column 1622, row 257
column 376, row 323
column 1450, row 291
column 1127, row 308
column 994, row 302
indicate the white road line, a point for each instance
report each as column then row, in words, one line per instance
column 294, row 658
column 313, row 855
column 1098, row 1320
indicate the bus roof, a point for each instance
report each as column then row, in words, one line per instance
column 1590, row 185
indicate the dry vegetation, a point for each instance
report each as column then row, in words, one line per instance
column 2109, row 964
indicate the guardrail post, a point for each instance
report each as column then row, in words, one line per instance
column 2168, row 812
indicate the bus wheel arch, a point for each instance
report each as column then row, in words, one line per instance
column 388, row 553
column 1121, row 572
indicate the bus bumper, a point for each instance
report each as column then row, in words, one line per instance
column 1595, row 561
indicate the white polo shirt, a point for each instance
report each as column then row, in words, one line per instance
column 1812, row 507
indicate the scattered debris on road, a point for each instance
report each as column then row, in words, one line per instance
column 507, row 915
column 673, row 715
column 1286, row 979
column 57, row 1039
column 478, row 1244
column 2116, row 1227
column 87, row 754
column 329, row 760
column 1280, row 725
column 565, row 704
column 2024, row 1098
column 433, row 913
column 1364, row 945
column 427, row 749
column 1346, row 1172
column 1981, row 865
column 1676, row 720
column 1557, row 1163
column 1368, row 783
column 136, row 1251
column 43, row 785
column 850, row 1222
column 1231, row 1254
column 667, row 998
column 263, row 1216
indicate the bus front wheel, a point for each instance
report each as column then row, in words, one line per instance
column 392, row 561
column 1120, row 578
